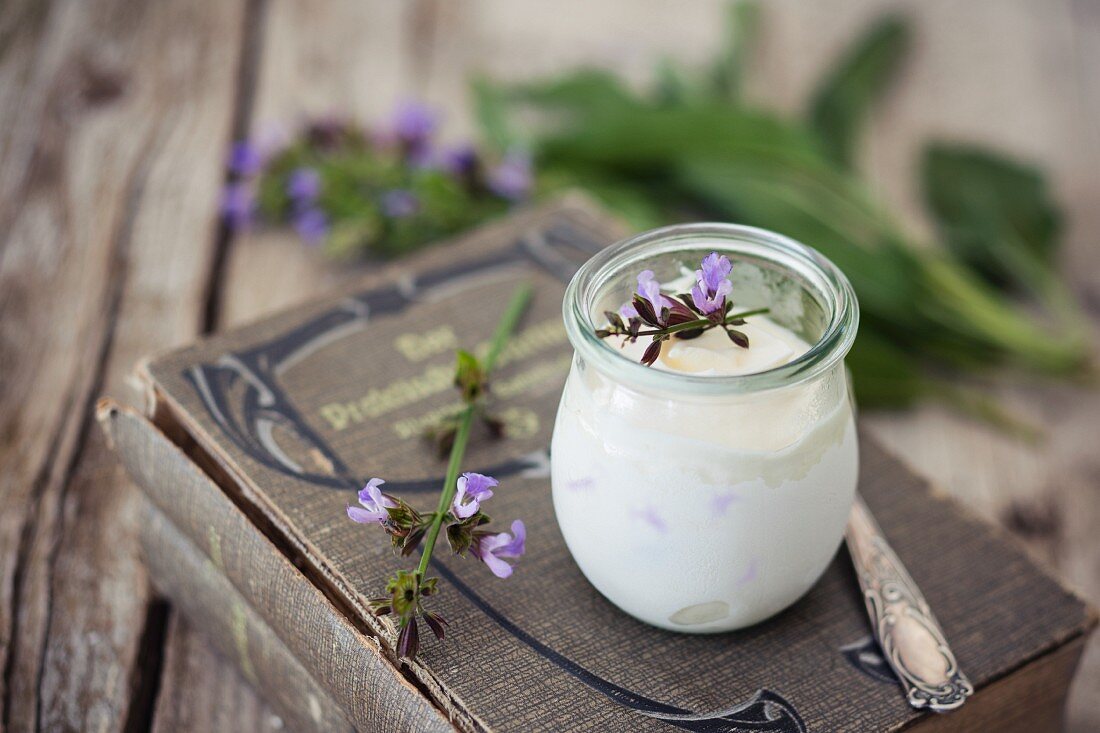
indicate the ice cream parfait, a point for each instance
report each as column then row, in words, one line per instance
column 704, row 457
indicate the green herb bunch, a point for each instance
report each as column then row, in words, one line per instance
column 385, row 192
column 691, row 146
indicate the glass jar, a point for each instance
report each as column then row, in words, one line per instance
column 707, row 503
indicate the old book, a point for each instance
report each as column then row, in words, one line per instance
column 327, row 644
column 184, row 574
column 289, row 416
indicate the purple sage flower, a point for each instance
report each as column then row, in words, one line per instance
column 712, row 284
column 245, row 159
column 490, row 549
column 374, row 504
column 312, row 225
column 399, row 203
column 238, row 206
column 414, row 123
column 512, row 179
column 650, row 289
column 304, row 185
column 473, row 488
column 460, row 161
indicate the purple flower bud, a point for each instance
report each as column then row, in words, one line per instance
column 400, row 203
column 245, row 159
column 715, row 268
column 311, row 225
column 460, row 161
column 512, row 179
column 650, row 289
column 414, row 123
column 374, row 504
column 491, row 548
column 238, row 206
column 304, row 185
column 712, row 284
column 473, row 488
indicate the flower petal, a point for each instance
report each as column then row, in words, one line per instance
column 465, row 510
column 515, row 546
column 364, row 516
column 497, row 566
column 477, row 485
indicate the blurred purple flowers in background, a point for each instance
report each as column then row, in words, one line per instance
column 460, row 161
column 387, row 190
column 415, row 123
column 304, row 185
column 245, row 159
column 238, row 206
column 311, row 225
column 513, row 178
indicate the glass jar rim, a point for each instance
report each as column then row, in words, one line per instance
column 813, row 269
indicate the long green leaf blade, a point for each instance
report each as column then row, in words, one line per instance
column 847, row 92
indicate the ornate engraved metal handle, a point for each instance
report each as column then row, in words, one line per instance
column 911, row 639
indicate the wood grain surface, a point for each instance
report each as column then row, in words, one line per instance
column 114, row 120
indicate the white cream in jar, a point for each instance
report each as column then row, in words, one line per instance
column 709, row 491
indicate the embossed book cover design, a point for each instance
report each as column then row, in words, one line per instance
column 299, row 410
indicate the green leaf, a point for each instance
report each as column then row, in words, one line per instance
column 469, row 375
column 883, row 375
column 996, row 214
column 844, row 96
column 491, row 111
column 727, row 74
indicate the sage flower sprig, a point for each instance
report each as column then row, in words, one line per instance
column 384, row 190
column 460, row 507
column 683, row 316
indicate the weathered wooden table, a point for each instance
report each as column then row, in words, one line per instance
column 114, row 119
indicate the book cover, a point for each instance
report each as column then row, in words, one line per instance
column 183, row 573
column 329, row 647
column 293, row 414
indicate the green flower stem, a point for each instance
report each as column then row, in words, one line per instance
column 702, row 322
column 505, row 327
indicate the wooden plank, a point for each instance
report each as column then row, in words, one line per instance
column 217, row 698
column 111, row 161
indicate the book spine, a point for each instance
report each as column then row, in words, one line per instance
column 185, row 576
column 344, row 660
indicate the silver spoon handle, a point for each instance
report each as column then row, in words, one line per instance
column 908, row 634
